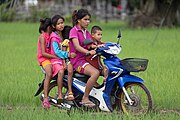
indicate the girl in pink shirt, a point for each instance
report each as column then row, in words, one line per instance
column 59, row 64
column 44, row 56
column 81, row 20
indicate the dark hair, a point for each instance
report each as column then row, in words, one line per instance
column 95, row 28
column 44, row 24
column 66, row 31
column 79, row 14
column 55, row 18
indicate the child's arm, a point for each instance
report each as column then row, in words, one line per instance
column 91, row 47
column 94, row 46
column 65, row 45
column 64, row 48
column 42, row 41
column 80, row 48
column 100, row 45
column 60, row 53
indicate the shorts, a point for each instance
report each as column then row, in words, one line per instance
column 80, row 65
column 55, row 68
column 46, row 62
column 95, row 62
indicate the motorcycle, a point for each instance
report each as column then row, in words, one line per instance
column 122, row 91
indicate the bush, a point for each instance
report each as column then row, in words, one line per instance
column 36, row 14
column 7, row 14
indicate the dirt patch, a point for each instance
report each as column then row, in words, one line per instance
column 170, row 111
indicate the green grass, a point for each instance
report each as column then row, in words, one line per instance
column 20, row 73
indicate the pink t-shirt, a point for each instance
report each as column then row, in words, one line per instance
column 76, row 32
column 57, row 64
column 47, row 48
column 54, row 38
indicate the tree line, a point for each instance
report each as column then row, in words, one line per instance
column 138, row 13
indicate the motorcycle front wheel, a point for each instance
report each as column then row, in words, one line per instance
column 141, row 97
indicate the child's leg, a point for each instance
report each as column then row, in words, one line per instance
column 70, row 76
column 94, row 74
column 105, row 72
column 60, row 83
column 48, row 70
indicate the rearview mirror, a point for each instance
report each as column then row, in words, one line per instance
column 87, row 42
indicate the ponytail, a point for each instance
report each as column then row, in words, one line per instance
column 44, row 23
column 74, row 17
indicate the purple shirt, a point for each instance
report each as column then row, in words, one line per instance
column 76, row 32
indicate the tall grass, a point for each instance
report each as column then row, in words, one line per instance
column 20, row 73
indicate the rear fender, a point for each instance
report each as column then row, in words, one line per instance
column 40, row 89
column 129, row 79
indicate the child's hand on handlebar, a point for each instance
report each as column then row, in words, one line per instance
column 102, row 45
column 92, row 52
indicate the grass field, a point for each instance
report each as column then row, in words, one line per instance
column 20, row 73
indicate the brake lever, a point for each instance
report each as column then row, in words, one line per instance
column 94, row 56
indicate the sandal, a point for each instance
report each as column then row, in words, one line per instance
column 88, row 104
column 70, row 96
column 46, row 104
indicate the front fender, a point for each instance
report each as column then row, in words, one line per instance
column 128, row 78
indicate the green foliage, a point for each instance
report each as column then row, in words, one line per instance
column 36, row 14
column 68, row 18
column 6, row 14
column 20, row 72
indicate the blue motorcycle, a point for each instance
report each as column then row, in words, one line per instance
column 121, row 92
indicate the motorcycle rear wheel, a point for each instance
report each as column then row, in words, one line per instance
column 53, row 92
column 141, row 97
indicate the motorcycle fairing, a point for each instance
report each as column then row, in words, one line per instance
column 129, row 78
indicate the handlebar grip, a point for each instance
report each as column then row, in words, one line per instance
column 87, row 54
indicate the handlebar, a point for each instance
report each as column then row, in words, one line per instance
column 87, row 54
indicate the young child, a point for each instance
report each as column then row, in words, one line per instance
column 56, row 40
column 44, row 55
column 65, row 47
column 96, row 33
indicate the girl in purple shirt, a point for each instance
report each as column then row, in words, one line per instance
column 81, row 20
